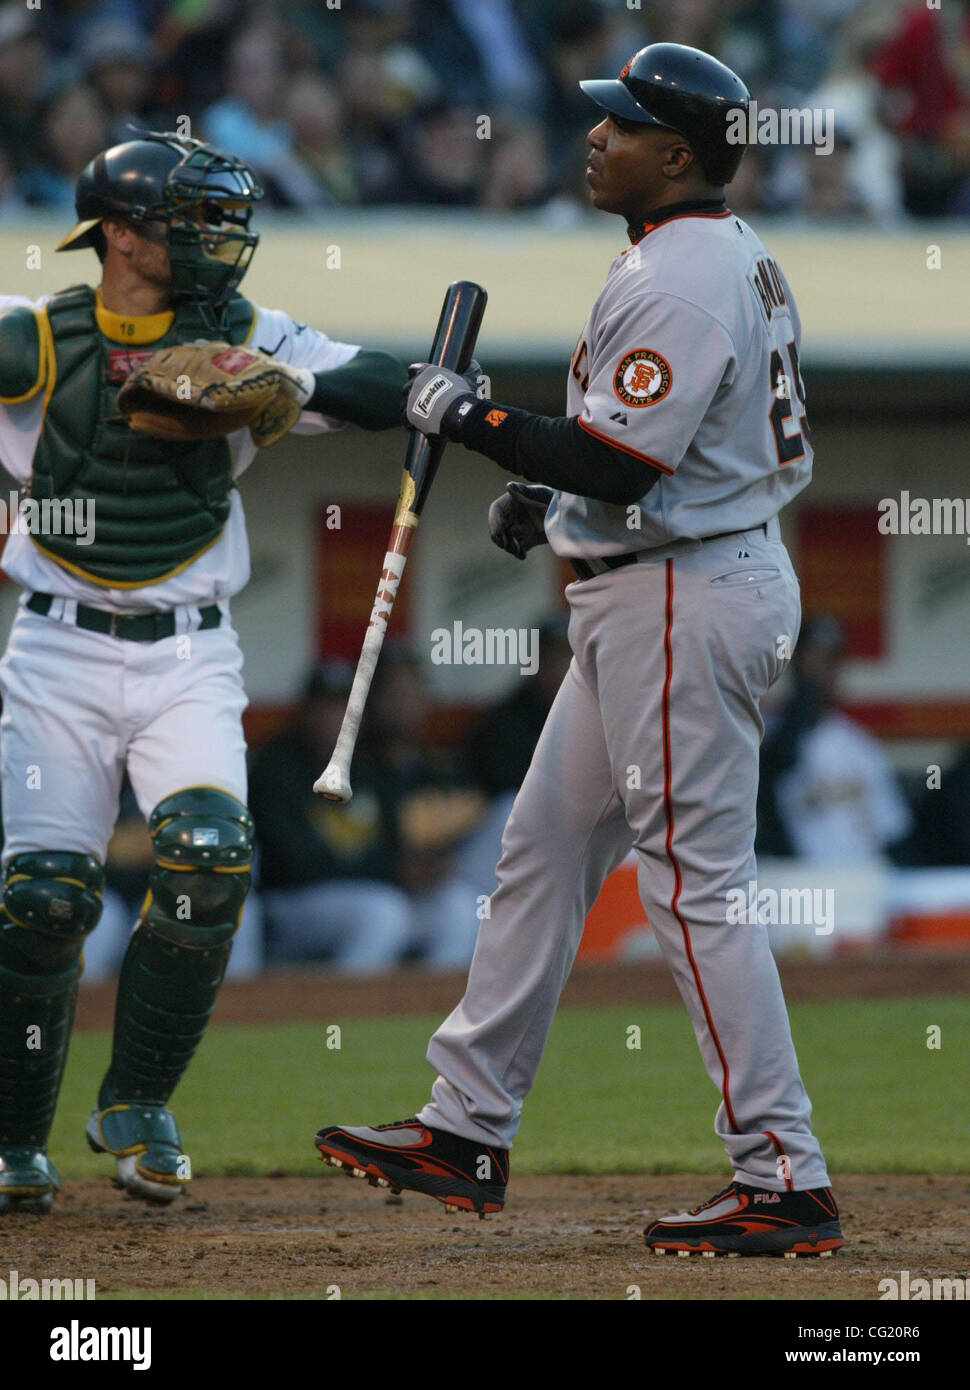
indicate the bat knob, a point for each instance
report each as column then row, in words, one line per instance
column 333, row 784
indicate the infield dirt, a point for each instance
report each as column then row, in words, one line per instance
column 559, row 1237
column 573, row 1237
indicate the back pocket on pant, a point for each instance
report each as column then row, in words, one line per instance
column 751, row 575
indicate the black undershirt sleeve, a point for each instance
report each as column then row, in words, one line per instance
column 365, row 391
column 554, row 450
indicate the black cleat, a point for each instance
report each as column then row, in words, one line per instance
column 463, row 1173
column 751, row 1221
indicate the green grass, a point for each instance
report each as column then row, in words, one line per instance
column 254, row 1096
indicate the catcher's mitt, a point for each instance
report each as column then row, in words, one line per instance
column 198, row 390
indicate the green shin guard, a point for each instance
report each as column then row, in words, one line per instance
column 166, row 994
column 36, row 1012
column 171, row 975
column 51, row 901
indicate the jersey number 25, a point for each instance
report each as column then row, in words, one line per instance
column 790, row 447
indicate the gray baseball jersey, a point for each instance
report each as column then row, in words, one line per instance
column 689, row 360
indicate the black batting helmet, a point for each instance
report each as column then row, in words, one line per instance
column 684, row 90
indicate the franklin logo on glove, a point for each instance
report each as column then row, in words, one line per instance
column 422, row 406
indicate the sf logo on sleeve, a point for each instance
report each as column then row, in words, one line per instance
column 642, row 378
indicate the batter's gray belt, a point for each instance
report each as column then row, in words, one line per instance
column 130, row 627
column 588, row 569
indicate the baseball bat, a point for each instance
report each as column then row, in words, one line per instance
column 453, row 346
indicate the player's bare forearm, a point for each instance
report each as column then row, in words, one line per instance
column 365, row 391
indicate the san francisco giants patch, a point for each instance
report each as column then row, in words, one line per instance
column 642, row 378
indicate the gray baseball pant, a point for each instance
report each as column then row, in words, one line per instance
column 652, row 740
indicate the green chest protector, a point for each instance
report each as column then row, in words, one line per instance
column 157, row 503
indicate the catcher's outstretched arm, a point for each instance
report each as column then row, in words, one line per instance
column 365, row 391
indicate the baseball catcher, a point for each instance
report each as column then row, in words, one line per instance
column 143, row 400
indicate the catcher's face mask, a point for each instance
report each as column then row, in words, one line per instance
column 208, row 205
column 183, row 195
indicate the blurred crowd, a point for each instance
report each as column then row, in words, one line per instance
column 475, row 103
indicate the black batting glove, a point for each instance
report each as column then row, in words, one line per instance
column 516, row 520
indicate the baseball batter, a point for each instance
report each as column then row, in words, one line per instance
column 123, row 651
column 684, row 436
